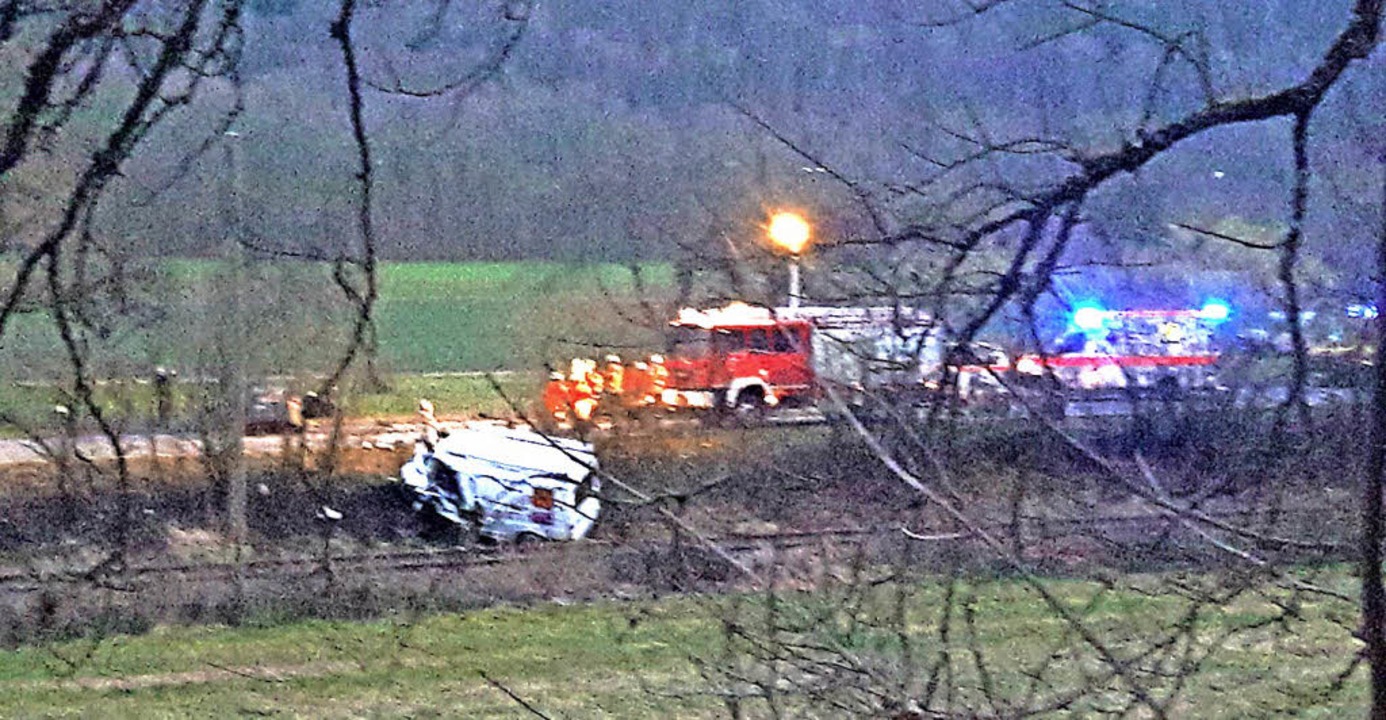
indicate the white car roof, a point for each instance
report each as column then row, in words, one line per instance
column 514, row 452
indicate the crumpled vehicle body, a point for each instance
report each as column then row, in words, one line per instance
column 510, row 485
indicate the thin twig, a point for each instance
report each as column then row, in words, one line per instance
column 529, row 707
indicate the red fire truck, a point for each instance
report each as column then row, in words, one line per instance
column 744, row 358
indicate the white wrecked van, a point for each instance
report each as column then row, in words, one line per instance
column 511, row 485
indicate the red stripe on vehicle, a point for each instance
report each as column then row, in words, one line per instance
column 1130, row 360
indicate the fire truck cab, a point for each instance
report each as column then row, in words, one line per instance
column 745, row 357
column 738, row 355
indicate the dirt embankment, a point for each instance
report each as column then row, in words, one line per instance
column 70, row 503
column 362, row 446
column 764, row 482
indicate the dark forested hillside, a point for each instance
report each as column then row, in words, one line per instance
column 611, row 130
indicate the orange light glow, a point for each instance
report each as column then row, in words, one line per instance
column 789, row 232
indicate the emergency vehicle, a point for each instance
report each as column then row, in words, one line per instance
column 1141, row 349
column 745, row 359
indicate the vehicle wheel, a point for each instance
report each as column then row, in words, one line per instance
column 749, row 411
column 529, row 541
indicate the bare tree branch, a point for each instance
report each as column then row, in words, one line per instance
column 1289, row 258
column 1243, row 242
column 1373, row 509
column 362, row 298
column 528, row 706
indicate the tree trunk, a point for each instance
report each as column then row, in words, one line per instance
column 1373, row 595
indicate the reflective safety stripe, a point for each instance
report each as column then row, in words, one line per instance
column 1130, row 360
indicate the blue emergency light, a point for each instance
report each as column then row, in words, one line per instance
column 1089, row 318
column 1215, row 311
column 1364, row 311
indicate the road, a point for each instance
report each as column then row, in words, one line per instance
column 387, row 435
column 357, row 434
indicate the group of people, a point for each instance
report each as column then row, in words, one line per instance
column 590, row 390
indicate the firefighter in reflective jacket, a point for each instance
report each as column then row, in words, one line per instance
column 612, row 398
column 557, row 397
column 613, row 376
column 635, row 386
column 582, row 396
column 659, row 377
column 593, row 376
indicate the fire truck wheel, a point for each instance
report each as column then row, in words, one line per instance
column 749, row 411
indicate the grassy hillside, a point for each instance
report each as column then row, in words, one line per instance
column 634, row 660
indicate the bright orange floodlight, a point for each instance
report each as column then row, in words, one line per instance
column 789, row 232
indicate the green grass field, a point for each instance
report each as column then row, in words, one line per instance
column 625, row 659
column 487, row 316
column 431, row 318
column 470, row 394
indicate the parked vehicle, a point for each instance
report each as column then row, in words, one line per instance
column 1141, row 350
column 509, row 485
column 745, row 359
column 271, row 411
